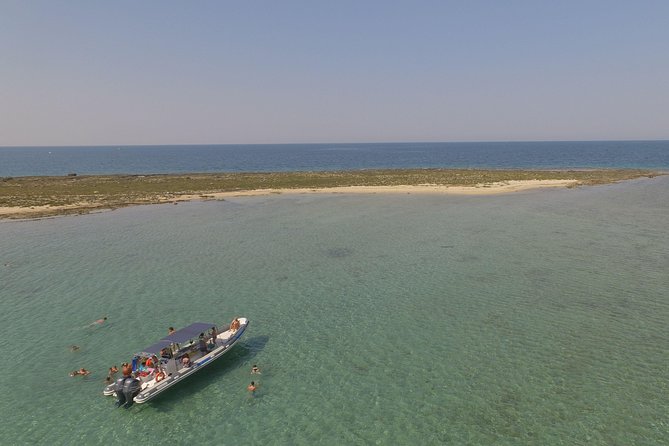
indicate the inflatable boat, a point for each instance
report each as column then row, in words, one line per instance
column 172, row 359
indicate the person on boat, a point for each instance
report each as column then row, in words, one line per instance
column 126, row 369
column 160, row 375
column 255, row 370
column 82, row 371
column 166, row 353
column 202, row 344
column 214, row 335
column 185, row 360
column 252, row 387
column 234, row 326
column 152, row 362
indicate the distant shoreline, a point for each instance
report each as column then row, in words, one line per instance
column 39, row 197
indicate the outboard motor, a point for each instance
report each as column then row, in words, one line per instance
column 118, row 388
column 131, row 388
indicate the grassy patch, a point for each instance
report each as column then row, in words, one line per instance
column 90, row 192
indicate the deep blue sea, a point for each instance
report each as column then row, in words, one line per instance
column 27, row 161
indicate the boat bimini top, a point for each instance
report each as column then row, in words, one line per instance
column 178, row 337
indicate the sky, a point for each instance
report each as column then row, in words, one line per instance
column 118, row 72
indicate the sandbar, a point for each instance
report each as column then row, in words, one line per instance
column 39, row 197
column 18, row 212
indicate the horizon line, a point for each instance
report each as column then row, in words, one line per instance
column 339, row 142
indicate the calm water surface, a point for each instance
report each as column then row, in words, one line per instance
column 530, row 318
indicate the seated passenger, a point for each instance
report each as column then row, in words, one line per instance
column 166, row 353
column 185, row 360
column 234, row 326
column 152, row 362
column 160, row 375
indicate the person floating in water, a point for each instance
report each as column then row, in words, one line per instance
column 170, row 331
column 98, row 322
column 74, row 348
column 255, row 370
column 252, row 388
column 82, row 371
column 113, row 370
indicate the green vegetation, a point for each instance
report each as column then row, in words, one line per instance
column 86, row 193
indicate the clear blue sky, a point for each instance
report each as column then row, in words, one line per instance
column 281, row 71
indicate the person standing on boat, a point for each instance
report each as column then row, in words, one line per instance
column 203, row 344
column 214, row 335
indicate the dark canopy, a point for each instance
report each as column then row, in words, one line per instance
column 179, row 336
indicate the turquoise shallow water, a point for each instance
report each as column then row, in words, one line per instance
column 531, row 318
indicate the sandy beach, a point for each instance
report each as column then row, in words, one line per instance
column 479, row 189
column 19, row 212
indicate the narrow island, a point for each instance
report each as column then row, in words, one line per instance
column 38, row 197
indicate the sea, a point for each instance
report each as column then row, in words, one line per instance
column 89, row 160
column 529, row 318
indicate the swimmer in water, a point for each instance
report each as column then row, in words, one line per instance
column 113, row 370
column 98, row 322
column 255, row 370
